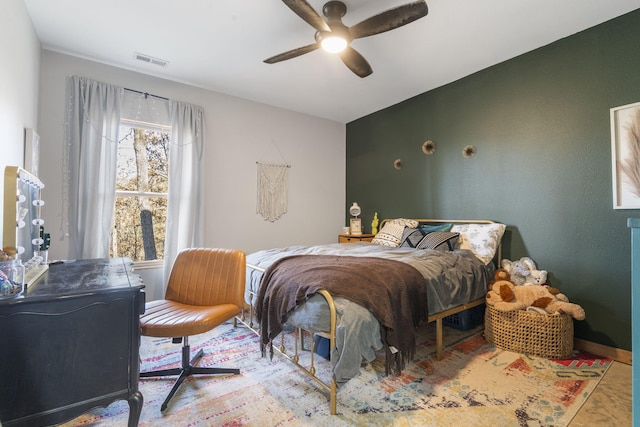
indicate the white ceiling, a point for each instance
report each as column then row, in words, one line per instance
column 220, row 44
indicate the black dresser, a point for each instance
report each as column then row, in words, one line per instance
column 71, row 343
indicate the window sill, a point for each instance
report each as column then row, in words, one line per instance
column 147, row 265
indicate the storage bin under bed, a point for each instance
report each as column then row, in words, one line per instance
column 465, row 320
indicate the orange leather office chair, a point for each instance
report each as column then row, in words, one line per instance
column 205, row 289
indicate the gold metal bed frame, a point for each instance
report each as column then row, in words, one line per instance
column 331, row 386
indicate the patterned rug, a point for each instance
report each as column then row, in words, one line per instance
column 474, row 384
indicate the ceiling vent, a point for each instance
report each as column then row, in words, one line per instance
column 150, row 59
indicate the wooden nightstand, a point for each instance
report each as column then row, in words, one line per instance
column 350, row 238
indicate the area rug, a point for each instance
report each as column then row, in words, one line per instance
column 475, row 384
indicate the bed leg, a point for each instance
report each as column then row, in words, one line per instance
column 333, row 397
column 251, row 310
column 439, row 339
column 302, row 346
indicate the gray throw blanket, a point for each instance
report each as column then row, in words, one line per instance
column 393, row 291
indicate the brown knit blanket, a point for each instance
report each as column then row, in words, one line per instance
column 393, row 291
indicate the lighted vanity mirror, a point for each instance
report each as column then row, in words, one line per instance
column 22, row 221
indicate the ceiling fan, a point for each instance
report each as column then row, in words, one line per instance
column 332, row 30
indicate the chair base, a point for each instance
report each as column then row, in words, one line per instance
column 187, row 369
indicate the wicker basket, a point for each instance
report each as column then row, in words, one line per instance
column 545, row 335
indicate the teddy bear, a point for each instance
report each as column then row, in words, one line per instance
column 536, row 277
column 525, row 272
column 504, row 295
column 518, row 269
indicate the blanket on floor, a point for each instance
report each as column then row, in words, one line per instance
column 393, row 291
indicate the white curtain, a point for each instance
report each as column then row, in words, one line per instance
column 93, row 118
column 185, row 209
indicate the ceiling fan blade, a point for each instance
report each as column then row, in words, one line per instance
column 292, row 53
column 306, row 12
column 355, row 62
column 390, row 19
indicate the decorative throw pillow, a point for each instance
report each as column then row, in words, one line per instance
column 441, row 240
column 412, row 236
column 390, row 235
column 412, row 223
column 439, row 227
column 481, row 239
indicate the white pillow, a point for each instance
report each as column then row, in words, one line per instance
column 390, row 235
column 481, row 239
column 411, row 223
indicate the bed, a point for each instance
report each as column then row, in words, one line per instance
column 455, row 260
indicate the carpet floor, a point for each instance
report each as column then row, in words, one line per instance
column 475, row 384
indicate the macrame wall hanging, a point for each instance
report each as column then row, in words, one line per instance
column 273, row 188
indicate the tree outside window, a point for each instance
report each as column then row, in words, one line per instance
column 142, row 183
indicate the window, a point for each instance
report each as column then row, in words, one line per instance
column 142, row 183
column 88, row 161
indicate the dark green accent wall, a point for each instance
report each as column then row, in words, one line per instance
column 540, row 123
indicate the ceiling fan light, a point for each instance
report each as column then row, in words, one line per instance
column 334, row 44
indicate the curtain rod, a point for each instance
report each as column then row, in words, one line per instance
column 146, row 94
column 272, row 164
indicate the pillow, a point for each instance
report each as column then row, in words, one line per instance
column 406, row 222
column 481, row 239
column 439, row 227
column 412, row 236
column 390, row 235
column 441, row 240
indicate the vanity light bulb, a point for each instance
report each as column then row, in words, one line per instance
column 37, row 241
column 38, row 221
column 21, row 224
column 21, row 198
column 38, row 202
column 20, row 250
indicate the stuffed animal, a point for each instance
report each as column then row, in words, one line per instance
column 536, row 277
column 519, row 269
column 500, row 274
column 504, row 295
column 524, row 272
column 501, row 288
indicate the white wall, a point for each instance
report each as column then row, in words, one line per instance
column 238, row 134
column 19, row 70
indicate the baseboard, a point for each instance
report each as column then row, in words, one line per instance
column 617, row 354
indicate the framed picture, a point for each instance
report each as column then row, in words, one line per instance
column 356, row 226
column 625, row 156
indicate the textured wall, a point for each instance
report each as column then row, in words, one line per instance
column 238, row 134
column 540, row 123
column 20, row 53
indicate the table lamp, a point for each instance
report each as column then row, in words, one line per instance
column 356, row 223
